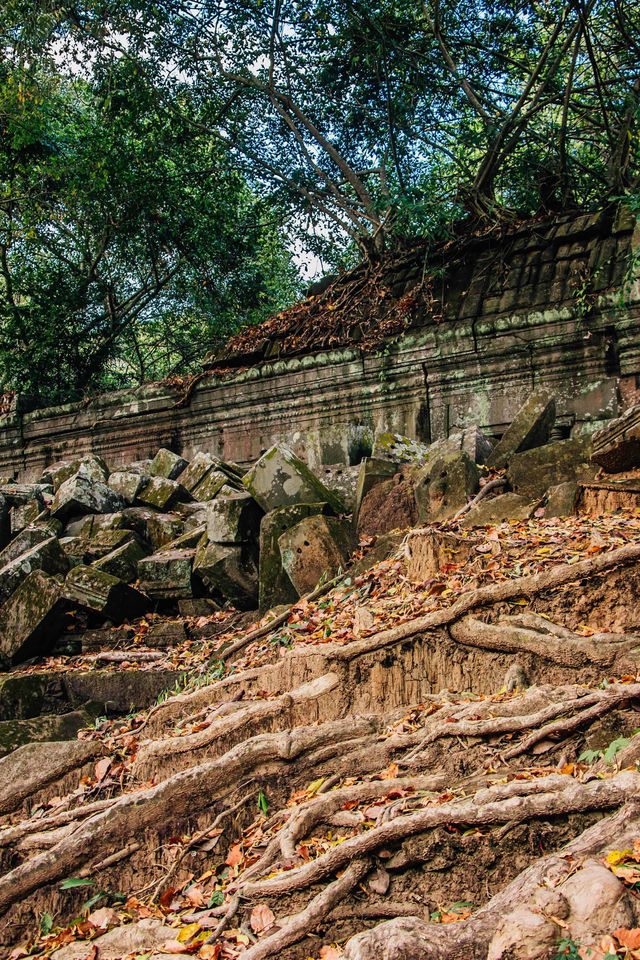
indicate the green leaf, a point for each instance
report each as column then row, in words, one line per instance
column 72, row 882
column 216, row 899
column 615, row 747
column 46, row 923
column 263, row 803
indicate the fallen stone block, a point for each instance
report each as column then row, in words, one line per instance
column 444, row 486
column 213, row 483
column 167, row 575
column 471, row 441
column 562, row 499
column 506, row 506
column 122, row 562
column 167, row 633
column 162, row 529
column 342, row 481
column 315, row 548
column 104, row 638
column 5, row 526
column 162, row 493
column 230, row 570
column 193, row 515
column 167, row 464
column 616, row 447
column 127, row 485
column 234, row 519
column 105, row 541
column 372, row 471
column 51, row 728
column 531, row 427
column 74, row 549
column 46, row 556
column 399, row 449
column 22, row 492
column 197, row 607
column 24, row 514
column 94, row 468
column 101, row 593
column 57, row 473
column 197, row 469
column 390, row 505
column 80, row 494
column 31, row 619
column 28, row 538
column 275, row 587
column 279, row 478
column 532, row 472
column 190, row 538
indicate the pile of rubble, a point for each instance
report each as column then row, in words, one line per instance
column 185, row 538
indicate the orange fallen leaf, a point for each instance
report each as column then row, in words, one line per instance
column 628, row 938
column 102, row 768
column 262, row 918
column 235, row 855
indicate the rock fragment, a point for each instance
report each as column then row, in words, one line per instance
column 280, row 478
column 315, row 548
column 31, row 619
column 101, row 593
column 531, row 427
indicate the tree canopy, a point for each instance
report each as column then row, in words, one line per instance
column 195, row 131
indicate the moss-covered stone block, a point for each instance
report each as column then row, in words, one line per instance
column 51, row 728
column 167, row 464
column 279, row 478
column 123, row 561
column 46, row 556
column 445, row 486
column 167, row 574
column 275, row 587
column 31, row 619
column 234, row 519
column 101, row 593
column 507, row 506
column 213, row 483
column 230, row 571
column 532, row 473
column 127, row 485
column 315, row 548
column 162, row 493
column 531, row 427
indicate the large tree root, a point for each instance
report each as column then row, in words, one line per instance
column 415, row 939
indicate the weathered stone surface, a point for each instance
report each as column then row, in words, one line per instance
column 94, row 468
column 371, row 472
column 23, row 514
column 79, row 494
column 230, row 570
column 616, row 447
column 234, row 519
column 162, row 493
column 167, row 574
column 104, row 541
column 46, row 556
column 91, row 525
column 57, row 473
column 35, row 765
column 314, row 548
column 167, row 464
column 562, row 499
column 122, row 562
column 530, row 428
column 197, row 469
column 274, row 584
column 50, row 728
column 28, row 538
column 506, row 506
column 213, row 482
column 22, row 492
column 390, row 505
column 399, row 449
column 101, row 593
column 531, row 473
column 382, row 548
column 31, row 619
column 163, row 528
column 444, row 486
column 280, row 478
column 127, row 485
column 197, row 607
column 342, row 481
column 190, row 538
column 146, row 937
column 193, row 514
column 167, row 633
column 4, row 521
column 139, row 518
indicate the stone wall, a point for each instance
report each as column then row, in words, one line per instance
column 550, row 303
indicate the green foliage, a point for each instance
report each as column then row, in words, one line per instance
column 263, row 803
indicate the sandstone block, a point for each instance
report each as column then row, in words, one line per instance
column 46, row 556
column 372, row 470
column 280, row 478
column 213, row 482
column 127, row 485
column 167, row 464
column 103, row 594
column 233, row 519
column 197, row 607
column 507, row 506
column 4, row 521
column 167, row 574
column 274, row 584
column 122, row 562
column 532, row 472
column 79, row 494
column 315, row 548
column 444, row 486
column 162, row 493
column 23, row 514
column 399, row 449
column 104, row 541
column 162, row 528
column 390, row 505
column 94, row 468
column 230, row 570
column 616, row 447
column 31, row 619
column 531, row 427
column 28, row 538
column 50, row 728
column 57, row 473
column 562, row 499
column 197, row 469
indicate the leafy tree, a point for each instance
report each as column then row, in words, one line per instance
column 128, row 243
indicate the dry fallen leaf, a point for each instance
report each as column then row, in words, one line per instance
column 235, row 855
column 379, row 882
column 330, row 953
column 262, row 918
column 102, row 918
column 102, row 768
column 628, row 938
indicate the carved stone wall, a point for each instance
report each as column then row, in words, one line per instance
column 551, row 303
